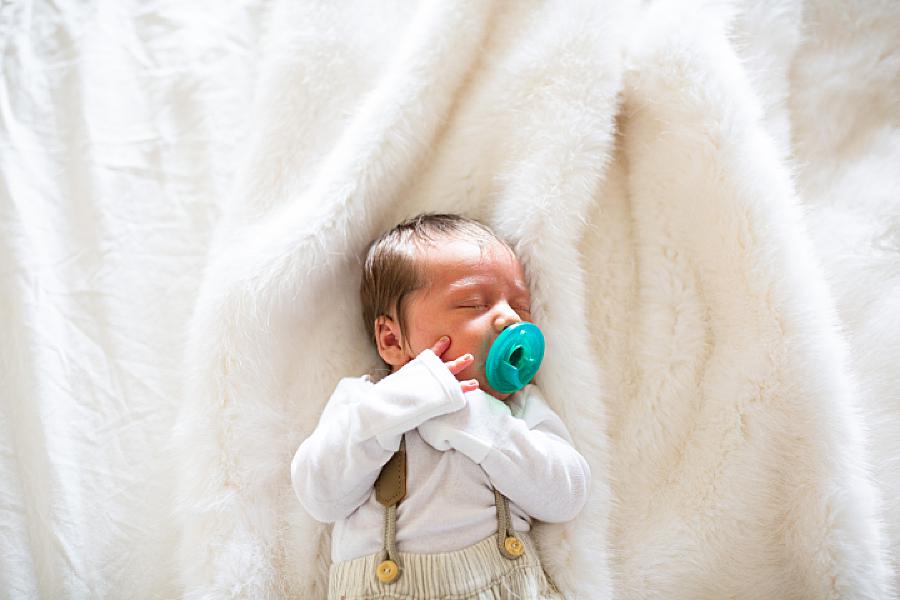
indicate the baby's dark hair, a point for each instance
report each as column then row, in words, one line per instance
column 391, row 269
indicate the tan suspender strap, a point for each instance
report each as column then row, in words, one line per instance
column 390, row 489
column 509, row 545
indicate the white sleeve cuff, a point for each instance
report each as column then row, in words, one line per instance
column 423, row 388
column 474, row 430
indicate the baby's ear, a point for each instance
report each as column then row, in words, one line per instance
column 389, row 341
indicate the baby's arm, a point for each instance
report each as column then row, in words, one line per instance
column 334, row 469
column 528, row 458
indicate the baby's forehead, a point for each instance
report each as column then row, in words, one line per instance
column 460, row 263
column 463, row 254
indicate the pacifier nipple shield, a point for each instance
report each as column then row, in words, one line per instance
column 515, row 357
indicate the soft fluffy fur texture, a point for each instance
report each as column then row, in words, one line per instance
column 692, row 340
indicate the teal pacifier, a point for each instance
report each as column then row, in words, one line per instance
column 515, row 357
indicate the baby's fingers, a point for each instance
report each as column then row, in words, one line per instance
column 441, row 345
column 460, row 363
column 469, row 386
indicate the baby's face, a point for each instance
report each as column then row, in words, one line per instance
column 473, row 294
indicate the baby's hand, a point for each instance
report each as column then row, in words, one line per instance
column 457, row 365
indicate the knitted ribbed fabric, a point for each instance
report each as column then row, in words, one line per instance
column 478, row 572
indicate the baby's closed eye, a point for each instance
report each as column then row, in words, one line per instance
column 475, row 302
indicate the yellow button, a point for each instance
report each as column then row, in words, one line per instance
column 387, row 571
column 514, row 546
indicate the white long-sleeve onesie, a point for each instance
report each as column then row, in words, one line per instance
column 524, row 451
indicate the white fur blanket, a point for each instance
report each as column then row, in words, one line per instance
column 637, row 158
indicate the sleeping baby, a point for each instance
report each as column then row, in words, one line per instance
column 431, row 477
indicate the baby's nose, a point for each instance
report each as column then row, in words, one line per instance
column 506, row 318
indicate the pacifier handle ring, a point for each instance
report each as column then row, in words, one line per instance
column 520, row 349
